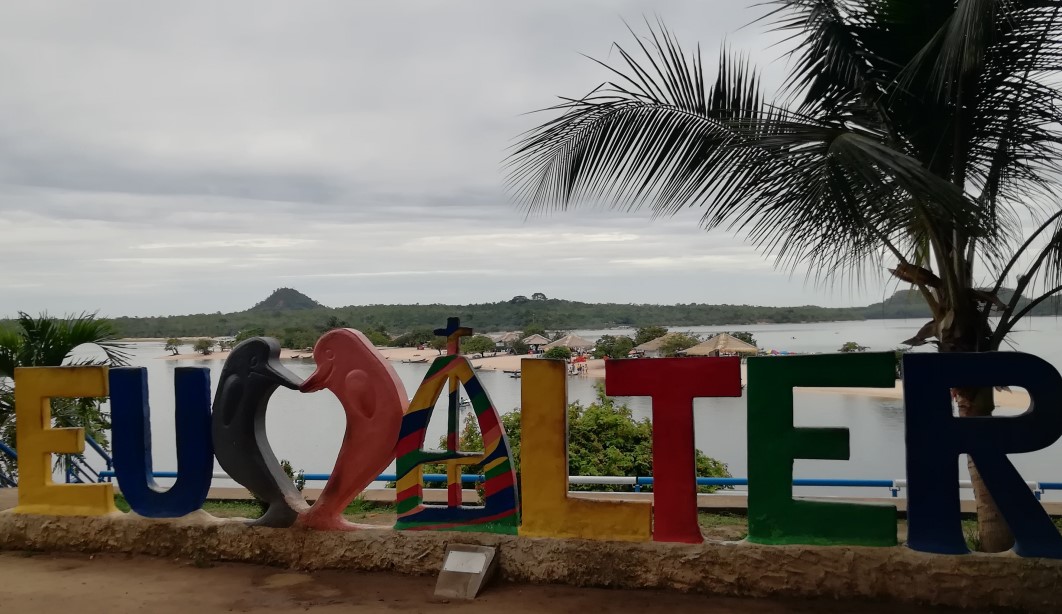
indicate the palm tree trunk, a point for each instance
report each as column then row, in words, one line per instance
column 968, row 331
column 992, row 531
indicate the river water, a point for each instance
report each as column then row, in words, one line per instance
column 306, row 428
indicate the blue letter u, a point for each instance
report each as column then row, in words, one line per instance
column 130, row 417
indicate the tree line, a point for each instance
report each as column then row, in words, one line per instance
column 300, row 328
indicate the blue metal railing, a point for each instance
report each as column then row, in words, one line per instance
column 77, row 470
column 6, row 480
column 99, row 450
column 894, row 486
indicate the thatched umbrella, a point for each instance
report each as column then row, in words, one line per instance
column 572, row 342
column 506, row 338
column 535, row 340
column 723, row 343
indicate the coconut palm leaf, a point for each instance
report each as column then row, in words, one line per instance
column 878, row 156
column 46, row 341
column 800, row 186
column 49, row 342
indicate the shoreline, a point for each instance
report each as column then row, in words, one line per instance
column 1012, row 399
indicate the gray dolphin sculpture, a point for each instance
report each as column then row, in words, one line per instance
column 250, row 375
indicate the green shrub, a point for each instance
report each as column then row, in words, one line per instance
column 560, row 352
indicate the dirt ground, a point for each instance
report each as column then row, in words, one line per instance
column 109, row 584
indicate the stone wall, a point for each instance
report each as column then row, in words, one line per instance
column 718, row 568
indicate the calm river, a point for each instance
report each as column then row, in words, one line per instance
column 306, row 428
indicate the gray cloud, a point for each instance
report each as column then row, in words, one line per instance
column 170, row 158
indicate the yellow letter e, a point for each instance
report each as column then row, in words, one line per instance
column 37, row 440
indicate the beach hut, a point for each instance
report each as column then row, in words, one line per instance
column 651, row 349
column 504, row 340
column 535, row 342
column 722, row 344
column 572, row 342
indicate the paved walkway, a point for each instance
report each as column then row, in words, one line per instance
column 107, row 584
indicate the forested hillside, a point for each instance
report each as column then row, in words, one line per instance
column 297, row 320
column 517, row 313
column 909, row 304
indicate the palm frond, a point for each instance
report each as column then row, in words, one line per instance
column 86, row 329
column 638, row 141
column 10, row 346
column 46, row 341
column 801, row 187
column 833, row 68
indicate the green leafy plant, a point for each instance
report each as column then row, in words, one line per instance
column 747, row 337
column 558, row 352
column 173, row 345
column 477, row 344
column 676, row 342
column 50, row 342
column 249, row 333
column 203, row 346
column 609, row 346
column 648, row 333
column 298, row 478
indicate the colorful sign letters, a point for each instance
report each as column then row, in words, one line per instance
column 382, row 426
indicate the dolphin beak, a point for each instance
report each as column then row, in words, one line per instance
column 318, row 380
column 285, row 377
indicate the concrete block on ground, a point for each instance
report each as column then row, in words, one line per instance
column 465, row 571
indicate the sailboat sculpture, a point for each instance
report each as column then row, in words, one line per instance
column 500, row 510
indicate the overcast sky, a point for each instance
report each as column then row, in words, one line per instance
column 185, row 157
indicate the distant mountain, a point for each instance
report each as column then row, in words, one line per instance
column 909, row 304
column 902, row 304
column 286, row 299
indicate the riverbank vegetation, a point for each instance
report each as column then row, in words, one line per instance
column 297, row 320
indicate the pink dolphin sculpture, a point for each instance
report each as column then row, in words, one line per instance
column 374, row 402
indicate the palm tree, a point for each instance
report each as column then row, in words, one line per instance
column 924, row 133
column 49, row 342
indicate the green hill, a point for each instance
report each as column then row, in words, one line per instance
column 909, row 304
column 287, row 299
column 902, row 304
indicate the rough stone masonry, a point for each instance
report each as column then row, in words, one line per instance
column 718, row 568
